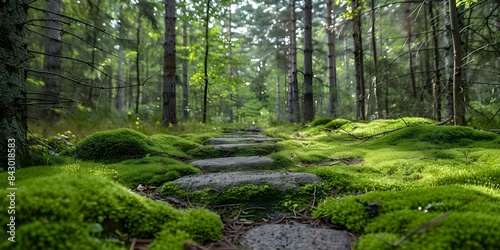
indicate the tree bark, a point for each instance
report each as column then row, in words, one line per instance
column 137, row 65
column 358, row 62
column 120, row 92
column 14, row 54
column 308, row 107
column 169, row 67
column 332, row 66
column 458, row 96
column 436, row 83
column 185, row 65
column 205, row 65
column 52, row 58
column 293, row 85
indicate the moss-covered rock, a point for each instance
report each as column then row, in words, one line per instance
column 114, row 145
column 82, row 211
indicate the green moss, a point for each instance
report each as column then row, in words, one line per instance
column 202, row 224
column 74, row 203
column 170, row 239
column 320, row 121
column 114, row 145
column 337, row 123
column 473, row 219
column 200, row 138
column 462, row 136
column 152, row 171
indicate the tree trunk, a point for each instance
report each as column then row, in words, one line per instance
column 458, row 96
column 278, row 87
column 448, row 63
column 358, row 63
column 120, row 81
column 293, row 85
column 332, row 66
column 376, row 86
column 185, row 64
column 436, row 83
column 137, row 65
column 169, row 67
column 52, row 58
column 308, row 108
column 205, row 65
column 13, row 114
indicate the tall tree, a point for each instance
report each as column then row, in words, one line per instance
column 185, row 69
column 293, row 87
column 120, row 80
column 205, row 64
column 458, row 90
column 14, row 54
column 169, row 67
column 52, row 57
column 308, row 107
column 332, row 66
column 358, row 60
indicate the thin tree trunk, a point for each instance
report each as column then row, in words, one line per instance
column 436, row 88
column 205, row 65
column 120, row 92
column 52, row 58
column 137, row 65
column 293, row 85
column 458, row 106
column 448, row 63
column 169, row 67
column 358, row 63
column 229, row 107
column 13, row 114
column 332, row 66
column 308, row 107
column 185, row 65
column 278, row 87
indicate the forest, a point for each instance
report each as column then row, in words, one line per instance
column 321, row 113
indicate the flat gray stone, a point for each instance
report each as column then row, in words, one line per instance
column 220, row 181
column 243, row 135
column 238, row 140
column 234, row 163
column 295, row 237
column 243, row 145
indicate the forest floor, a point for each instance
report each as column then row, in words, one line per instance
column 389, row 183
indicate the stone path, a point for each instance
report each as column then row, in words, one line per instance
column 223, row 173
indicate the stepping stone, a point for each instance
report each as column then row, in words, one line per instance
column 234, row 163
column 244, row 135
column 220, row 181
column 243, row 145
column 295, row 237
column 219, row 141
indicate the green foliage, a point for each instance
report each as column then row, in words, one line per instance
column 114, row 145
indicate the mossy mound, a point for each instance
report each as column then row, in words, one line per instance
column 473, row 221
column 83, row 211
column 463, row 136
column 180, row 147
column 320, row 121
column 337, row 123
column 114, row 145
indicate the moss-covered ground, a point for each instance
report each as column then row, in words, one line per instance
column 403, row 183
column 433, row 187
